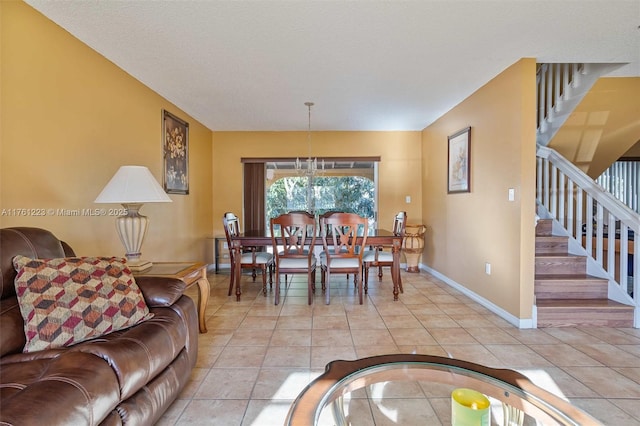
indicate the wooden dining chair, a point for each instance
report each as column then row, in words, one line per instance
column 293, row 237
column 250, row 257
column 382, row 256
column 323, row 253
column 343, row 253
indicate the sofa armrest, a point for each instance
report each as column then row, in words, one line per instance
column 160, row 291
column 68, row 251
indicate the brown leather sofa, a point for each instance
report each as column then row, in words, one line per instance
column 126, row 377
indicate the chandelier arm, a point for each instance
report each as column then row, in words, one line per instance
column 309, row 105
column 310, row 167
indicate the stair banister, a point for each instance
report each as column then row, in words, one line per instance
column 622, row 180
column 554, row 82
column 560, row 87
column 555, row 173
column 583, row 181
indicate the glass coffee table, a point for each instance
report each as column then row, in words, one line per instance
column 408, row 389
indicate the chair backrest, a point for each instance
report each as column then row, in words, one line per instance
column 339, row 234
column 231, row 229
column 400, row 223
column 324, row 215
column 295, row 232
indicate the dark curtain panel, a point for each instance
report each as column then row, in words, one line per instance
column 254, row 197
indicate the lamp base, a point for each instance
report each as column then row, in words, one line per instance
column 131, row 229
column 139, row 265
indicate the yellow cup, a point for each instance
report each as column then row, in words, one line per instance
column 469, row 408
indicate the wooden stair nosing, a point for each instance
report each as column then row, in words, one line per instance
column 551, row 238
column 584, row 322
column 560, row 259
column 582, row 304
column 581, row 293
column 558, row 255
column 542, row 234
column 548, row 249
column 569, row 277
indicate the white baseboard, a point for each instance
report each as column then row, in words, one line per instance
column 510, row 318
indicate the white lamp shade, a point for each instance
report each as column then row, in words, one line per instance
column 133, row 184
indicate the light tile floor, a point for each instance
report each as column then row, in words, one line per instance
column 257, row 357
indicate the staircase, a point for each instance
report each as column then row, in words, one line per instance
column 567, row 291
column 565, row 294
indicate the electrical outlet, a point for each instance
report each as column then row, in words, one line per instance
column 487, row 268
column 512, row 194
column 407, row 199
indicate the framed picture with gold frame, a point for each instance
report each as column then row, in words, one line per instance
column 175, row 142
column 459, row 162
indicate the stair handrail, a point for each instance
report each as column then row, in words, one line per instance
column 562, row 198
column 615, row 206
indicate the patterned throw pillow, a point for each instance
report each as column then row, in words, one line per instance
column 69, row 300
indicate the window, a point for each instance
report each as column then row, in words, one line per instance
column 354, row 194
column 343, row 185
column 346, row 183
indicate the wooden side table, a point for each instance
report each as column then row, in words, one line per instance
column 189, row 272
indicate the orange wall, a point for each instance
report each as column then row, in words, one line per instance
column 469, row 229
column 399, row 171
column 70, row 118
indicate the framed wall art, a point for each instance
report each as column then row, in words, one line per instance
column 459, row 160
column 176, row 154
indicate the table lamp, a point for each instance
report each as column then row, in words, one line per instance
column 132, row 186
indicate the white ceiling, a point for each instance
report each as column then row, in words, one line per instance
column 367, row 65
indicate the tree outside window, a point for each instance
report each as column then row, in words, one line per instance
column 354, row 194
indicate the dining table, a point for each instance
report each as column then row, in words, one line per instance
column 375, row 237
